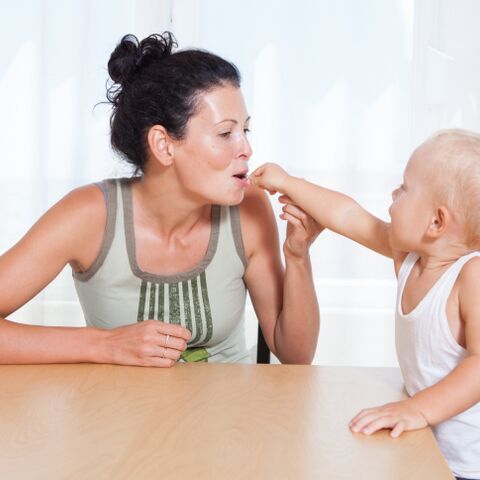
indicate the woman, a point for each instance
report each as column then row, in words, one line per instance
column 161, row 261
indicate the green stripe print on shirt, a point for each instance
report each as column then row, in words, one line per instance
column 184, row 303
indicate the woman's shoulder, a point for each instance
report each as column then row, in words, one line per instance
column 255, row 203
column 83, row 211
column 257, row 219
column 90, row 193
column 86, row 202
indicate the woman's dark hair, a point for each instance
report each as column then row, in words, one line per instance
column 153, row 86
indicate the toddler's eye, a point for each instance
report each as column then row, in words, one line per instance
column 246, row 130
column 225, row 134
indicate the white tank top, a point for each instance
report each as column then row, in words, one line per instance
column 427, row 352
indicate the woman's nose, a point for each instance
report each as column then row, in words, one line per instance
column 245, row 149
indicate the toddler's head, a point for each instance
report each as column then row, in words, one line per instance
column 452, row 159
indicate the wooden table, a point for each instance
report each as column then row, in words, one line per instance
column 202, row 421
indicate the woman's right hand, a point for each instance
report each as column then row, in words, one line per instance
column 148, row 344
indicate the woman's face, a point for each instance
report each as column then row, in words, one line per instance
column 211, row 161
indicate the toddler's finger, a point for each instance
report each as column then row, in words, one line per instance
column 258, row 171
column 363, row 419
column 361, row 414
column 398, row 429
column 377, row 424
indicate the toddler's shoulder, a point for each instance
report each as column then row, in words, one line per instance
column 469, row 277
column 471, row 269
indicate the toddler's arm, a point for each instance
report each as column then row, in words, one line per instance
column 333, row 210
column 455, row 393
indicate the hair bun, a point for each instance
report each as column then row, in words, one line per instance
column 130, row 55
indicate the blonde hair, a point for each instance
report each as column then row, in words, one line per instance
column 457, row 178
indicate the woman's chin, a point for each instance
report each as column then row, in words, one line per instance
column 236, row 200
column 223, row 196
column 230, row 199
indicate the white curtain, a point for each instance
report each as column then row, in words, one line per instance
column 53, row 137
column 339, row 92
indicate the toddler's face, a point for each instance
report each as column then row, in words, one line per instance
column 412, row 203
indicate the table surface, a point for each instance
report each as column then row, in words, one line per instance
column 203, row 421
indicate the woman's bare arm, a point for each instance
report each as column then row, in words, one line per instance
column 71, row 232
column 285, row 301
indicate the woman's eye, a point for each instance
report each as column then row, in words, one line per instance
column 225, row 134
column 246, row 130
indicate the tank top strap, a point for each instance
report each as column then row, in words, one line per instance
column 115, row 230
column 117, row 251
column 444, row 285
column 231, row 240
column 404, row 272
column 110, row 194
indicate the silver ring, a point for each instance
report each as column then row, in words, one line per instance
column 166, row 340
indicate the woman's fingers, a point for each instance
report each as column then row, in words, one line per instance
column 285, row 199
column 168, row 353
column 155, row 343
column 158, row 362
column 171, row 329
column 175, row 343
column 294, row 211
column 291, row 219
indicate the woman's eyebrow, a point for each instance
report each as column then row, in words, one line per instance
column 232, row 120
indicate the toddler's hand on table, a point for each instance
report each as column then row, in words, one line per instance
column 270, row 177
column 398, row 416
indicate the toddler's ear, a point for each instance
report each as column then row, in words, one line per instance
column 440, row 222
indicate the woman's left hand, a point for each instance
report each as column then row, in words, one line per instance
column 302, row 229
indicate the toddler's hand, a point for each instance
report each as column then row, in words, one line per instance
column 270, row 177
column 399, row 416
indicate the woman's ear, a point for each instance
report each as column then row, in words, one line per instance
column 440, row 222
column 161, row 145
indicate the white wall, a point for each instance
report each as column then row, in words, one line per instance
column 52, row 74
column 339, row 92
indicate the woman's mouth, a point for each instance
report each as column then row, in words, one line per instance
column 242, row 178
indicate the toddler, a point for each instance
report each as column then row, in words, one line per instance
column 433, row 239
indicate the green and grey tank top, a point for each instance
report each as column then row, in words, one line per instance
column 209, row 300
